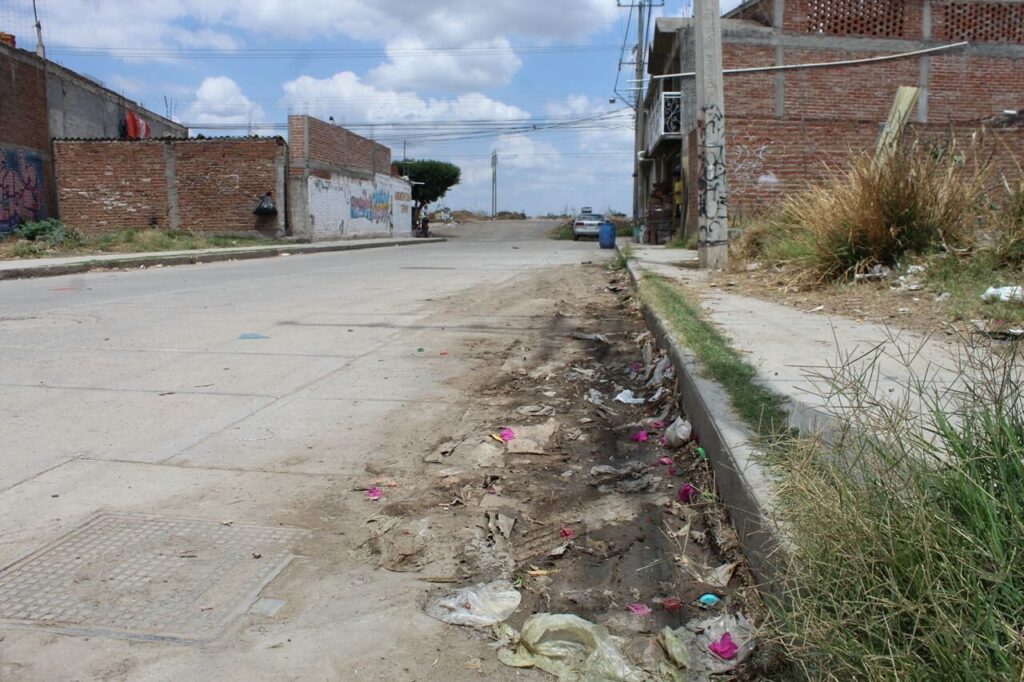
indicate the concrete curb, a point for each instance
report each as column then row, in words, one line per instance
column 200, row 257
column 743, row 485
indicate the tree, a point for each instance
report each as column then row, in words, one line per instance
column 430, row 179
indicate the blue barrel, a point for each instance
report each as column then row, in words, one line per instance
column 606, row 236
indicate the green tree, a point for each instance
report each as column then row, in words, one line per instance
column 431, row 180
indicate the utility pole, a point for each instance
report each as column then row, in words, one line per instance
column 494, row 183
column 712, row 213
column 40, row 48
column 637, row 118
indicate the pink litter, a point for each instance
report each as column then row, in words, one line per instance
column 567, row 533
column 374, row 493
column 724, row 648
column 507, row 434
column 686, row 493
column 639, row 437
column 667, row 461
column 635, row 367
column 639, row 609
column 657, row 424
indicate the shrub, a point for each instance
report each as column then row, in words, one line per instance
column 51, row 231
column 911, row 201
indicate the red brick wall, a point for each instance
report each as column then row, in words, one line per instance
column 768, row 158
column 106, row 186
column 971, row 88
column 110, row 185
column 220, row 182
column 748, row 94
column 333, row 145
column 887, row 18
column 22, row 101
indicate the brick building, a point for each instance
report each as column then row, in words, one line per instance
column 340, row 184
column 784, row 127
column 40, row 100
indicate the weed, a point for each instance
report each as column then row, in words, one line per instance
column 906, row 536
column 758, row 406
column 51, row 231
column 622, row 257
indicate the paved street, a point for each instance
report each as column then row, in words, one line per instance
column 242, row 404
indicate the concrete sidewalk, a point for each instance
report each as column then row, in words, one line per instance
column 68, row 265
column 793, row 349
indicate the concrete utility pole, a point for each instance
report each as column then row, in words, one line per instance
column 638, row 134
column 712, row 214
column 40, row 48
column 494, row 183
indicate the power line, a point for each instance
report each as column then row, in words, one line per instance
column 325, row 53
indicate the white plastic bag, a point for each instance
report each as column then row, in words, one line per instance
column 478, row 605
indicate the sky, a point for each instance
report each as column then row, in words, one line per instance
column 453, row 80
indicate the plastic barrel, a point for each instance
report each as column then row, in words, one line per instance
column 606, row 236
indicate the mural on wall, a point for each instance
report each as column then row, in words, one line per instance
column 343, row 206
column 375, row 207
column 21, row 188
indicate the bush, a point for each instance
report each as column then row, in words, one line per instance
column 906, row 542
column 912, row 201
column 51, row 231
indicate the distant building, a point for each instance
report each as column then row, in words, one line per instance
column 784, row 128
column 40, row 101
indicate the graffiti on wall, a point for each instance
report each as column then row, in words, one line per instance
column 712, row 200
column 374, row 207
column 21, row 188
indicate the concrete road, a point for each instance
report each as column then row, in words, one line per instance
column 256, row 394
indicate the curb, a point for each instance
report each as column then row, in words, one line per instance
column 192, row 258
column 742, row 484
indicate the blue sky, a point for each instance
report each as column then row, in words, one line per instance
column 485, row 72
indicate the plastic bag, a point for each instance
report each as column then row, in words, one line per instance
column 690, row 647
column 678, row 433
column 478, row 605
column 570, row 648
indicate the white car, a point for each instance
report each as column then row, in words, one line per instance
column 586, row 225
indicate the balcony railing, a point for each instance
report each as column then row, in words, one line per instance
column 665, row 118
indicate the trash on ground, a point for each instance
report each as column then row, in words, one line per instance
column 639, row 437
column 374, row 493
column 590, row 337
column 666, row 461
column 708, row 600
column 686, row 493
column 662, row 371
column 713, row 646
column 671, row 604
column 678, row 433
column 628, row 398
column 1004, row 294
column 701, row 453
column 567, row 533
column 535, row 410
column 569, row 648
column 500, row 524
column 560, row 550
column 632, row 478
column 639, row 609
column 724, row 648
column 506, row 435
column 478, row 605
column 657, row 424
column 542, row 572
column 715, row 577
column 594, row 397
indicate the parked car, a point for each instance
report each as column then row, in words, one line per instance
column 586, row 225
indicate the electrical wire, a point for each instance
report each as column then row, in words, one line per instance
column 326, row 53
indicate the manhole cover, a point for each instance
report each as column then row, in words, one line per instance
column 145, row 577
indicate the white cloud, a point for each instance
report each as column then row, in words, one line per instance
column 522, row 151
column 483, row 64
column 220, row 101
column 573, row 105
column 348, row 98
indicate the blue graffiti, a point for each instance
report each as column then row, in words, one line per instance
column 375, row 207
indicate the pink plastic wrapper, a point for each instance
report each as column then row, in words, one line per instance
column 374, row 493
column 639, row 437
column 639, row 609
column 507, row 434
column 724, row 648
column 686, row 493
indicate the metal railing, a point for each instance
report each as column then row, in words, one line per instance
column 665, row 118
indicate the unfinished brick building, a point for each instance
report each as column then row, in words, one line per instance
column 784, row 128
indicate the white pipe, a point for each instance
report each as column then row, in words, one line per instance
column 817, row 65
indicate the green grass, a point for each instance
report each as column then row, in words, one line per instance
column 758, row 406
column 123, row 241
column 908, row 544
column 622, row 256
column 966, row 278
column 562, row 232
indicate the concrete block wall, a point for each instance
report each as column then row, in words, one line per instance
column 201, row 185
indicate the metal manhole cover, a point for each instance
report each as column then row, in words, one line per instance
column 144, row 577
